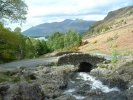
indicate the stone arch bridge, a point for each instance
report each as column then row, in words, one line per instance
column 85, row 62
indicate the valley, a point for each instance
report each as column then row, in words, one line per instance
column 73, row 59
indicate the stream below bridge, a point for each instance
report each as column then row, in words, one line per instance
column 82, row 82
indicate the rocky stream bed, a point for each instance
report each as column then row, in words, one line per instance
column 106, row 81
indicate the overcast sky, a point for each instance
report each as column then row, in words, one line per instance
column 42, row 11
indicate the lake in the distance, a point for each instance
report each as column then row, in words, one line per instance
column 40, row 38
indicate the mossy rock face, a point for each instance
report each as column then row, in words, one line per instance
column 7, row 77
column 4, row 77
column 12, row 76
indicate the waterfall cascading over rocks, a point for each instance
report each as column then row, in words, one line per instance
column 90, row 83
column 96, row 84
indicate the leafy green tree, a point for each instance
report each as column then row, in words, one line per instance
column 56, row 41
column 20, row 52
column 72, row 39
column 13, row 10
column 40, row 47
column 8, row 44
column 45, row 47
column 29, row 49
column 21, row 48
column 60, row 41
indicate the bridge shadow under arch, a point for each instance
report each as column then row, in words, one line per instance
column 84, row 67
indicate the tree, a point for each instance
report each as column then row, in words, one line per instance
column 29, row 48
column 40, row 47
column 17, row 29
column 21, row 44
column 60, row 41
column 21, row 47
column 72, row 39
column 45, row 47
column 56, row 41
column 8, row 44
column 13, row 10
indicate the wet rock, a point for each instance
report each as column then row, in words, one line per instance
column 129, row 93
column 115, row 82
column 94, row 92
column 65, row 97
column 83, row 90
column 116, row 96
column 3, row 90
column 130, row 84
column 107, row 96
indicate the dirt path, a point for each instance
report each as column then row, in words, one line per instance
column 28, row 63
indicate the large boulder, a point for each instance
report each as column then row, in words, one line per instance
column 23, row 91
column 54, row 80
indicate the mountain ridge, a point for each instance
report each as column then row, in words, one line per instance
column 47, row 29
column 114, row 19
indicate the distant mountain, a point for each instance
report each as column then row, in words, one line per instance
column 47, row 29
column 113, row 20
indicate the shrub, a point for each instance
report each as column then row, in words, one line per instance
column 114, row 45
column 94, row 42
column 114, row 54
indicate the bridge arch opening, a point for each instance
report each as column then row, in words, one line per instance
column 84, row 67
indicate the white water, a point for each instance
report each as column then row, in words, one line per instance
column 96, row 84
column 78, row 97
column 92, row 81
column 69, row 91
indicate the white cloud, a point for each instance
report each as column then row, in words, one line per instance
column 63, row 6
column 41, row 11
